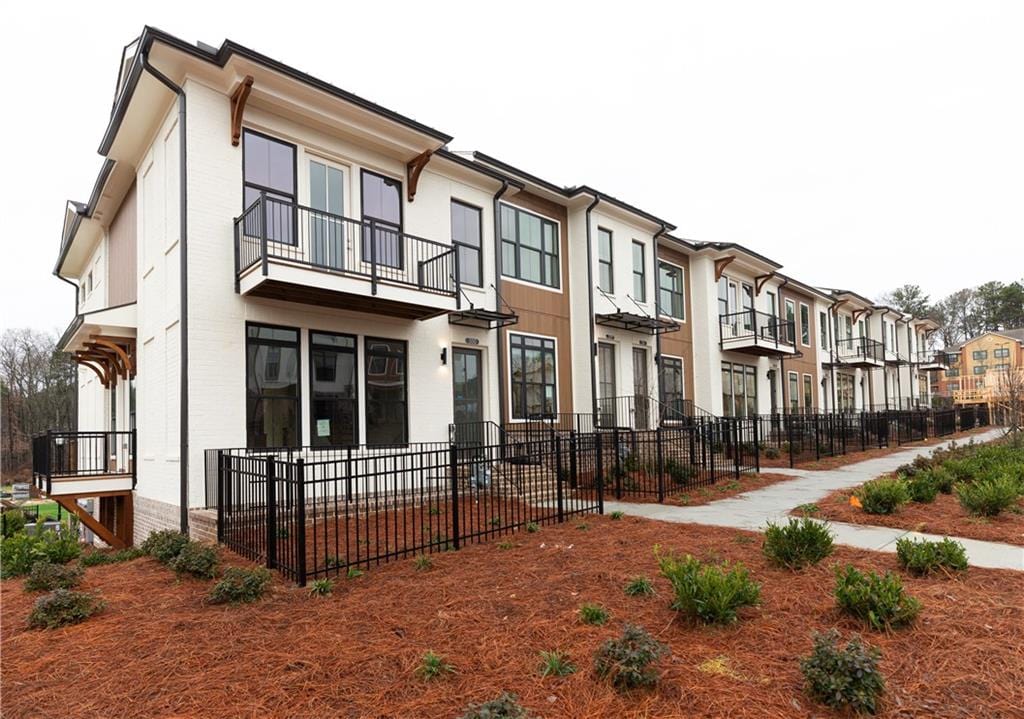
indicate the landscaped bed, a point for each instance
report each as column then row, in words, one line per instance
column 722, row 489
column 157, row 649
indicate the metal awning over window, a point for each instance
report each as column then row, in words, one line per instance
column 636, row 323
column 483, row 319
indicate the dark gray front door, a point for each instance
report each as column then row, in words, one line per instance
column 467, row 385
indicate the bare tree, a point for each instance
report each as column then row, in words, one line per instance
column 1009, row 403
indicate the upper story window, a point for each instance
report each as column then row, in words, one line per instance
column 639, row 272
column 529, row 247
column 1001, row 352
column 791, row 311
column 382, row 211
column 268, row 168
column 823, row 329
column 467, row 236
column 670, row 287
column 979, row 354
column 805, row 325
column 861, row 328
column 723, row 296
column 605, row 272
column 980, row 369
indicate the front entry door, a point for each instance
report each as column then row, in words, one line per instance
column 468, row 391
column 640, row 397
column 327, row 204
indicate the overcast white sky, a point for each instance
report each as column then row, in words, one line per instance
column 862, row 145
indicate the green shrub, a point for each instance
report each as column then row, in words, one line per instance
column 321, row 587
column 555, row 664
column 61, row 546
column 62, row 607
column 422, row 563
column 45, row 577
column 198, row 559
column 639, row 587
column 878, row 600
column 629, row 660
column 354, row 573
column 240, row 585
column 532, row 527
column 943, row 479
column 924, row 557
column 678, row 472
column 843, row 677
column 505, row 706
column 809, row 509
column 988, row 497
column 164, row 545
column 13, row 522
column 772, row 453
column 883, row 495
column 19, row 552
column 433, row 666
column 593, row 614
column 708, row 593
column 798, row 543
column 617, row 515
column 922, row 487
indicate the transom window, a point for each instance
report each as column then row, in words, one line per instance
column 532, row 376
column 639, row 272
column 529, row 247
column 605, row 267
column 467, row 236
column 670, row 287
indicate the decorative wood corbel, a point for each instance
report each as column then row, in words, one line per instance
column 98, row 370
column 413, row 170
column 238, row 100
column 720, row 265
column 759, row 282
column 126, row 365
column 857, row 314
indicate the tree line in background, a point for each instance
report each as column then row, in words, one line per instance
column 38, row 388
column 965, row 313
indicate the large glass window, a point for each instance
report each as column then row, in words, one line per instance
column 808, row 391
column 823, row 329
column 529, row 247
column 844, row 392
column 670, row 285
column 272, row 386
column 739, row 390
column 805, row 325
column 386, row 392
column 268, row 168
column 723, row 297
column 334, row 399
column 606, row 370
column 790, row 317
column 467, row 236
column 672, row 387
column 382, row 213
column 639, row 272
column 605, row 267
column 794, row 391
column 532, row 370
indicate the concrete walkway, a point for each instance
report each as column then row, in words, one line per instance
column 753, row 510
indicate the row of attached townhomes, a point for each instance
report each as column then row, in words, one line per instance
column 267, row 260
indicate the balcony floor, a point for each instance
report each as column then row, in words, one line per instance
column 378, row 305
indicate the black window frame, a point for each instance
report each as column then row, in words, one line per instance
column 298, row 379
column 271, row 192
column 520, row 413
column 677, row 364
column 381, row 222
column 313, row 346
column 675, row 271
column 367, row 358
column 979, row 354
column 459, row 246
column 805, row 324
column 516, row 273
column 642, row 272
column 608, row 262
column 1001, row 353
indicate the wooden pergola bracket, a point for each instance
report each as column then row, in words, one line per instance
column 100, row 370
column 759, row 282
column 413, row 170
column 238, row 99
column 720, row 264
column 857, row 314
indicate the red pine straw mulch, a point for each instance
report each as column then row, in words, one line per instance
column 943, row 516
column 157, row 651
column 695, row 496
column 826, row 463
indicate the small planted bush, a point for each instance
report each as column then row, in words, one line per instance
column 797, row 544
column 922, row 487
column 880, row 601
column 925, row 557
column 197, row 559
column 843, row 677
column 354, row 573
column 593, row 614
column 639, row 587
column 555, row 664
column 45, row 577
column 943, row 479
column 62, row 607
column 422, row 563
column 629, row 661
column 19, row 552
column 321, row 588
column 617, row 515
column 433, row 666
column 988, row 497
column 504, row 706
column 532, row 527
column 708, row 593
column 13, row 522
column 772, row 453
column 240, row 585
column 164, row 545
column 883, row 496
column 678, row 472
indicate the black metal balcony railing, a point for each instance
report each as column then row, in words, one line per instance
column 858, row 349
column 81, row 455
column 761, row 328
column 275, row 230
column 930, row 357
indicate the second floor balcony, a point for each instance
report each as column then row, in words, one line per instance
column 757, row 333
column 859, row 352
column 288, row 251
column 931, row 360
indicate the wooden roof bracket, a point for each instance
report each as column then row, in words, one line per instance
column 760, row 281
column 126, row 359
column 413, row 170
column 239, row 97
column 98, row 370
column 720, row 264
column 857, row 314
column 107, row 358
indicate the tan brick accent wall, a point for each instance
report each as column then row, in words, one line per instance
column 152, row 515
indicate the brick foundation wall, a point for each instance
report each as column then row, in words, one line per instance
column 152, row 515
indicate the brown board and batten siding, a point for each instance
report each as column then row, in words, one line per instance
column 121, row 253
column 542, row 310
column 807, row 364
column 680, row 342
